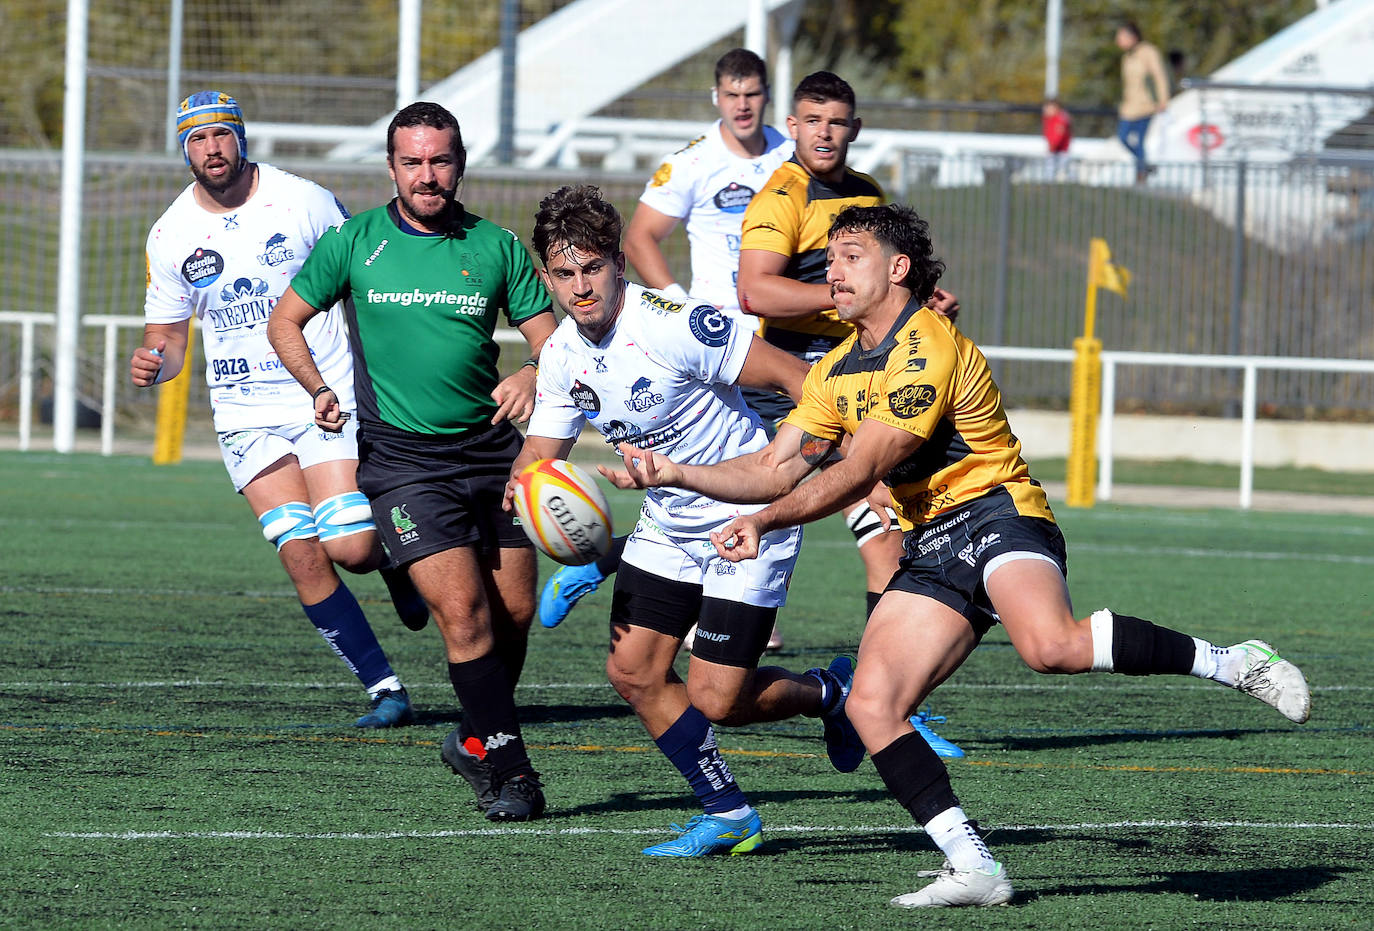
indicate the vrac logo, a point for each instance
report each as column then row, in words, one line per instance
column 276, row 251
column 642, row 396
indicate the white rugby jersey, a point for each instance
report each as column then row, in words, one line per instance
column 707, row 186
column 228, row 270
column 662, row 379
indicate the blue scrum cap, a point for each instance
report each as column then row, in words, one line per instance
column 210, row 108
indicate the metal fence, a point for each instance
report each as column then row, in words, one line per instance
column 1257, row 260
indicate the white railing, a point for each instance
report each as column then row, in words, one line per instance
column 29, row 320
column 1248, row 365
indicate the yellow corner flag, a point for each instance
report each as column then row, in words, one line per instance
column 1104, row 273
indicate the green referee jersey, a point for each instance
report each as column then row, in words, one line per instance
column 421, row 313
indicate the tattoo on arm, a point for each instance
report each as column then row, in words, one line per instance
column 814, row 449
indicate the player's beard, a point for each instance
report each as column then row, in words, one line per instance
column 432, row 212
column 222, row 184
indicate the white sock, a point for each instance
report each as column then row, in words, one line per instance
column 390, row 683
column 734, row 814
column 1101, row 625
column 957, row 839
column 1221, row 664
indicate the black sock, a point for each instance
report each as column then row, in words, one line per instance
column 1140, row 648
column 608, row 564
column 916, row 777
column 484, row 689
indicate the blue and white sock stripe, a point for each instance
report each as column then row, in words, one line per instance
column 290, row 521
column 343, row 515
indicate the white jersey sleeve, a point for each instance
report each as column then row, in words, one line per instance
column 557, row 413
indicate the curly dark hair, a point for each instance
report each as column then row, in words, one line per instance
column 899, row 230
column 425, row 113
column 577, row 215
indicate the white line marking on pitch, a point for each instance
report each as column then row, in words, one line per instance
column 1152, row 686
column 772, row 829
column 1125, row 549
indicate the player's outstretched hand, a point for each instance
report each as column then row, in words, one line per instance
column 514, row 396
column 944, row 303
column 145, row 364
column 737, row 540
column 643, row 469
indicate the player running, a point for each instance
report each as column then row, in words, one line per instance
column 224, row 252
column 981, row 544
column 664, row 374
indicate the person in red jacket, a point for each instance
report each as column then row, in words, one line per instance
column 1057, row 125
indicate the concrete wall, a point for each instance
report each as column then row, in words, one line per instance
column 1337, row 447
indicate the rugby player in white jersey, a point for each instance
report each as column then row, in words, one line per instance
column 705, row 186
column 223, row 252
column 664, row 375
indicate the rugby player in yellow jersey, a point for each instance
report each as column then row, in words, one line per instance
column 981, row 544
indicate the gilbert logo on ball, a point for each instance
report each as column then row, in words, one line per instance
column 563, row 512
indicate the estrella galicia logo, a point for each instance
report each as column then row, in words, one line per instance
column 585, row 399
column 276, row 252
column 642, row 396
column 709, row 325
column 733, row 198
column 911, row 400
column 202, row 268
column 618, row 431
column 242, row 288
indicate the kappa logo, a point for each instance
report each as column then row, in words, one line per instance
column 276, row 252
column 498, row 740
column 376, row 252
column 642, row 396
column 911, row 400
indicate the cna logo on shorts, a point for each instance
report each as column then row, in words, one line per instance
column 407, row 531
column 202, row 268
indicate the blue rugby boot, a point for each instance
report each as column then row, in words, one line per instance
column 842, row 743
column 708, row 834
column 564, row 589
column 390, row 708
column 921, row 722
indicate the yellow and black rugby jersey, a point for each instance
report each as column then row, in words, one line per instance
column 930, row 380
column 791, row 216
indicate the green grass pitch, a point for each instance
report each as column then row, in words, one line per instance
column 175, row 748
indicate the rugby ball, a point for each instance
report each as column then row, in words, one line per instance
column 563, row 512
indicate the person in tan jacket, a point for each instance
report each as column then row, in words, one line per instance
column 1144, row 92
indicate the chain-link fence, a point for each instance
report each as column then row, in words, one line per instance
column 1257, row 260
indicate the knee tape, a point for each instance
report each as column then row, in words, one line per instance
column 290, row 521
column 865, row 524
column 343, row 515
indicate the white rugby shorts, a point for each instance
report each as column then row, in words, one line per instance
column 247, row 453
column 761, row 581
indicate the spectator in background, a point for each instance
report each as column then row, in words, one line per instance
column 1144, row 92
column 1057, row 125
